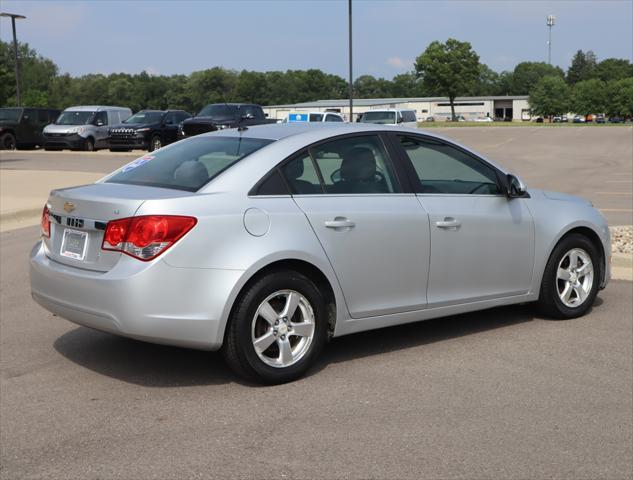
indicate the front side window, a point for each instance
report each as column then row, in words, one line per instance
column 144, row 117
column 101, row 118
column 10, row 114
column 188, row 165
column 316, row 117
column 382, row 118
column 333, row 118
column 442, row 168
column 355, row 165
column 252, row 111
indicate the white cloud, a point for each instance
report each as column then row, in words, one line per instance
column 152, row 71
column 399, row 63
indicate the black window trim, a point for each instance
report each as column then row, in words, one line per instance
column 413, row 177
column 402, row 181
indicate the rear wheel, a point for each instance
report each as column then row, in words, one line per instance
column 7, row 141
column 155, row 143
column 571, row 278
column 277, row 329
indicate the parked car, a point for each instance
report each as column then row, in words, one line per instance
column 266, row 242
column 458, row 118
column 429, row 119
column 483, row 119
column 617, row 119
column 564, row 119
column 147, row 130
column 600, row 118
column 579, row 119
column 391, row 116
column 22, row 127
column 313, row 117
column 83, row 127
column 218, row 116
column 557, row 119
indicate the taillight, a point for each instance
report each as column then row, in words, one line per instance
column 145, row 237
column 45, row 223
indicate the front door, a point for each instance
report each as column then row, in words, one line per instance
column 482, row 243
column 376, row 238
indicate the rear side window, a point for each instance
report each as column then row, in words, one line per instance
column 408, row 116
column 316, row 117
column 188, row 165
column 301, row 175
column 333, row 118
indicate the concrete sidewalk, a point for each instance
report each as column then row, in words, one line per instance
column 23, row 193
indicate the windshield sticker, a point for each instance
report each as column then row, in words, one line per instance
column 137, row 163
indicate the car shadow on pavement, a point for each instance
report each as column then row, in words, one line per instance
column 153, row 365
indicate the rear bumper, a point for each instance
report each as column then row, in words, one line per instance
column 150, row 301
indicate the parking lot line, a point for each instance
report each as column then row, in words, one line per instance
column 618, row 181
column 616, row 209
column 613, row 193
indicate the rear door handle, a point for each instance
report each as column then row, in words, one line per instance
column 448, row 222
column 339, row 222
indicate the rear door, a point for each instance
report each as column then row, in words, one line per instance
column 482, row 243
column 375, row 235
column 170, row 127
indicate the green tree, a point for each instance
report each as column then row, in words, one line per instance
column 582, row 67
column 487, row 82
column 550, row 97
column 613, row 69
column 620, row 98
column 367, row 86
column 406, row 85
column 588, row 96
column 449, row 69
column 527, row 74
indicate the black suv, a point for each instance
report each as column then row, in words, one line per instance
column 22, row 127
column 218, row 116
column 147, row 129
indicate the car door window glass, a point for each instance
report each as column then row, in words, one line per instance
column 355, row 165
column 442, row 168
column 301, row 176
column 333, row 118
column 170, row 119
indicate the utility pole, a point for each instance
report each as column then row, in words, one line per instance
column 15, row 51
column 351, row 80
column 550, row 23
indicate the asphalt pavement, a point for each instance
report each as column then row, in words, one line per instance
column 501, row 393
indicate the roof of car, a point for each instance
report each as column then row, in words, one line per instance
column 93, row 108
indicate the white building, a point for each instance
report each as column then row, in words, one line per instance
column 500, row 107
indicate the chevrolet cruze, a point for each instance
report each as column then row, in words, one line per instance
column 266, row 241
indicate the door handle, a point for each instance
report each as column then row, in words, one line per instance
column 448, row 222
column 339, row 222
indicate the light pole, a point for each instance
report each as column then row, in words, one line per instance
column 550, row 23
column 351, row 81
column 15, row 51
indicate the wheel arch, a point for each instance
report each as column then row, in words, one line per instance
column 305, row 267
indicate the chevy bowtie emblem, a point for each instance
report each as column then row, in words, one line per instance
column 69, row 206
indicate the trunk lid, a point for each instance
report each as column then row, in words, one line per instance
column 79, row 216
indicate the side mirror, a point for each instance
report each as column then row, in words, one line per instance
column 516, row 187
column 265, row 115
column 248, row 116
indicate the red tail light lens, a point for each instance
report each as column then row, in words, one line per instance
column 146, row 237
column 45, row 223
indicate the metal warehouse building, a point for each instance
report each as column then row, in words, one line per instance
column 471, row 108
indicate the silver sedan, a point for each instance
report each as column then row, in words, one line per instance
column 267, row 241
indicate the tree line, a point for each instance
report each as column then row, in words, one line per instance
column 448, row 69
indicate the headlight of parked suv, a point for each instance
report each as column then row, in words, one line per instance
column 142, row 130
column 75, row 130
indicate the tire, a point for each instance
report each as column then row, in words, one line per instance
column 155, row 143
column 89, row 145
column 7, row 142
column 120, row 150
column 247, row 325
column 581, row 288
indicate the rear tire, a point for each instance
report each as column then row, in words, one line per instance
column 7, row 142
column 571, row 278
column 277, row 328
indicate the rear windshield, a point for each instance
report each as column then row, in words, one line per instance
column 189, row 164
column 379, row 117
column 74, row 118
column 219, row 110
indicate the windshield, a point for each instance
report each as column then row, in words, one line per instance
column 188, row 165
column 144, row 117
column 10, row 114
column 74, row 118
column 219, row 110
column 379, row 117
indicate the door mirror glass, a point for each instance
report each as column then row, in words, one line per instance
column 516, row 187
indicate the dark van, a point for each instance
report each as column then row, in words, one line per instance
column 21, row 127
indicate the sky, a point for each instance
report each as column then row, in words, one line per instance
column 181, row 36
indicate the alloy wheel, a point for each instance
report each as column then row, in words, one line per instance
column 574, row 277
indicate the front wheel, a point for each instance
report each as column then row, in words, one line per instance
column 155, row 143
column 7, row 142
column 89, row 145
column 277, row 329
column 571, row 278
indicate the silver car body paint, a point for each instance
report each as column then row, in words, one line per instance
column 184, row 297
